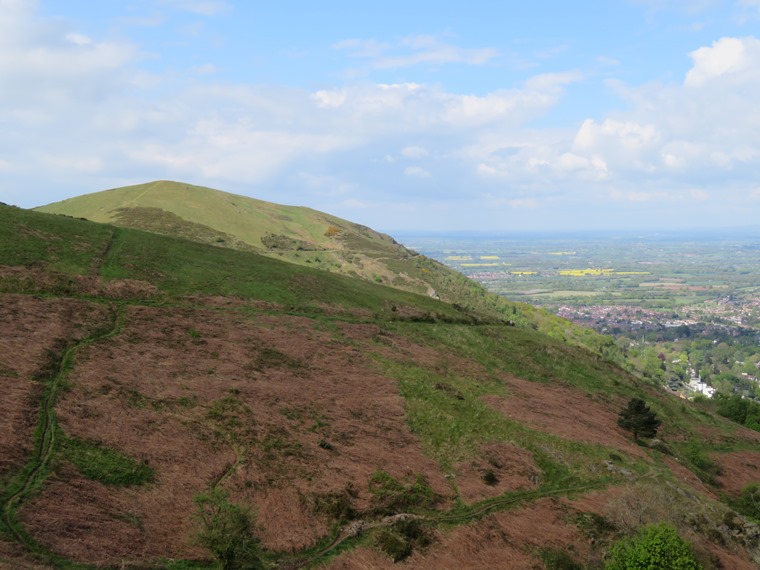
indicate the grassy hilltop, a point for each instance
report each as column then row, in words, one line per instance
column 295, row 234
column 162, row 396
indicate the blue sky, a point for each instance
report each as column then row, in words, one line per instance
column 402, row 115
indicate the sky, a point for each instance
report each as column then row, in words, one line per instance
column 399, row 114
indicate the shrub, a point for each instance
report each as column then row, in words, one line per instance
column 489, row 477
column 399, row 540
column 701, row 464
column 655, row 547
column 226, row 530
column 389, row 496
column 557, row 559
column 749, row 501
column 392, row 543
column 338, row 505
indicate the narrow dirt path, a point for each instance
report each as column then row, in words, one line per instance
column 355, row 528
column 100, row 259
column 45, row 434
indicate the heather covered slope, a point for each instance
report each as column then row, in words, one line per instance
column 141, row 372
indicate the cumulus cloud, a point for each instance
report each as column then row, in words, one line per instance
column 726, row 59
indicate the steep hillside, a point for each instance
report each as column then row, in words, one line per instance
column 296, row 234
column 308, row 238
column 162, row 396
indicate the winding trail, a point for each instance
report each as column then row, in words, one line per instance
column 356, row 528
column 35, row 471
column 100, row 259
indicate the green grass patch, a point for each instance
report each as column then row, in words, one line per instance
column 525, row 353
column 391, row 496
column 453, row 428
column 106, row 465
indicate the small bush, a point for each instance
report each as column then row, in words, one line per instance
column 749, row 501
column 337, row 505
column 654, row 547
column 593, row 525
column 700, row 463
column 389, row 496
column 556, row 559
column 392, row 543
column 489, row 477
column 399, row 540
column 226, row 529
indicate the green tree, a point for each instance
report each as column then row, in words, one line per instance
column 733, row 407
column 637, row 418
column 655, row 547
column 226, row 530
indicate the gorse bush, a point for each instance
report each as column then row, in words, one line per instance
column 655, row 547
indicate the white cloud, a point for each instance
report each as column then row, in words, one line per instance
column 414, row 50
column 331, row 98
column 727, row 57
column 414, row 152
column 628, row 135
column 45, row 70
column 205, row 69
column 416, row 172
column 362, row 48
column 225, row 150
column 78, row 39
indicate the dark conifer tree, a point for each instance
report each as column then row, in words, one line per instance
column 637, row 418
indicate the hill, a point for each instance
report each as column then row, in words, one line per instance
column 312, row 239
column 161, row 396
column 295, row 234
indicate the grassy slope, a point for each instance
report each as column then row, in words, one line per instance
column 225, row 219
column 180, row 267
column 246, row 218
column 452, row 429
